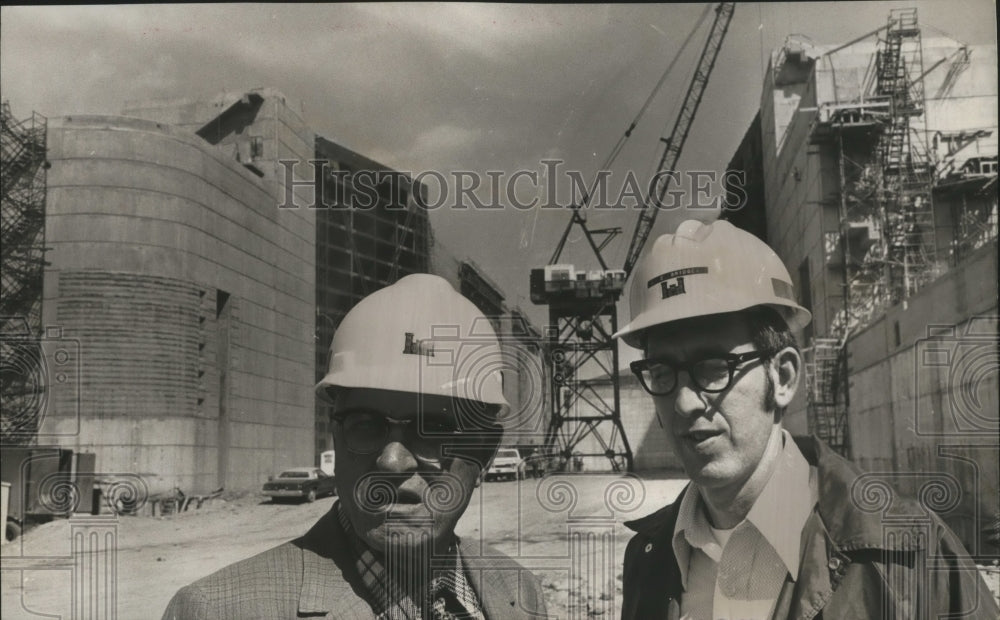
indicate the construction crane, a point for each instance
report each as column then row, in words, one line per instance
column 585, row 420
column 682, row 127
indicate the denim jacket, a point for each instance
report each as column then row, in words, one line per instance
column 856, row 564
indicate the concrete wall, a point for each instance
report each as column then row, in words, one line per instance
column 150, row 228
column 748, row 160
column 526, row 380
column 913, row 419
column 797, row 178
column 923, row 395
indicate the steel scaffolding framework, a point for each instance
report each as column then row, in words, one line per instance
column 886, row 243
column 583, row 356
column 826, row 369
column 22, row 249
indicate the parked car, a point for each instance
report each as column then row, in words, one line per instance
column 506, row 464
column 307, row 483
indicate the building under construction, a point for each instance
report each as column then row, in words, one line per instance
column 362, row 247
column 22, row 244
column 871, row 169
column 177, row 274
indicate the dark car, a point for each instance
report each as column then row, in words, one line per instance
column 306, row 483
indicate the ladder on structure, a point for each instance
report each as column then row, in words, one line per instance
column 827, row 405
column 908, row 209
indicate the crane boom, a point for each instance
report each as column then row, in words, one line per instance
column 580, row 349
column 675, row 143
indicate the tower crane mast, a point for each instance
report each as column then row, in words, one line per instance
column 585, row 420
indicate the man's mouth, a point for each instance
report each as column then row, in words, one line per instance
column 408, row 496
column 700, row 437
column 375, row 493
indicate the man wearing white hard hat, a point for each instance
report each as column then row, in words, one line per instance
column 418, row 413
column 767, row 527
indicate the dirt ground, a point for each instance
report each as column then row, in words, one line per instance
column 155, row 556
column 530, row 520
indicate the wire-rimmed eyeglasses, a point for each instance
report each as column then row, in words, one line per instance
column 366, row 431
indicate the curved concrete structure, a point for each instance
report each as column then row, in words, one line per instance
column 184, row 304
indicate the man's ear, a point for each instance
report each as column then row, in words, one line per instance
column 786, row 367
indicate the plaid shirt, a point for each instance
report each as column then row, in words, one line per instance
column 449, row 594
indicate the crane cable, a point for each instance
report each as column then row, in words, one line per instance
column 577, row 216
column 649, row 100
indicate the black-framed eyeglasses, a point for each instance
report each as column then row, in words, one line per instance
column 366, row 431
column 658, row 375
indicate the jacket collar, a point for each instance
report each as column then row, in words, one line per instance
column 660, row 522
column 495, row 578
column 847, row 525
column 842, row 490
column 329, row 580
column 331, row 583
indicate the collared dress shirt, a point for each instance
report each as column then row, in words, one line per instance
column 737, row 574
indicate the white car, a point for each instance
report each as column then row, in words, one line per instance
column 506, row 464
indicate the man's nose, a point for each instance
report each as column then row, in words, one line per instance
column 395, row 456
column 688, row 400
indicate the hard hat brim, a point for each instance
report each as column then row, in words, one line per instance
column 632, row 334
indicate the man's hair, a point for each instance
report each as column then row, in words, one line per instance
column 769, row 332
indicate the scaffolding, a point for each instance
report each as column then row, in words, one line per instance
column 367, row 237
column 969, row 187
column 885, row 247
column 826, row 369
column 906, row 201
column 22, row 249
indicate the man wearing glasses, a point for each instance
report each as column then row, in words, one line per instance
column 418, row 412
column 767, row 527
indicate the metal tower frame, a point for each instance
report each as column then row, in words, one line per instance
column 584, row 315
column 583, row 356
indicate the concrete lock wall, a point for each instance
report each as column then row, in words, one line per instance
column 924, row 399
column 191, row 297
column 922, row 409
column 794, row 175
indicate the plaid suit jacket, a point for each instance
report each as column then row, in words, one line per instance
column 315, row 577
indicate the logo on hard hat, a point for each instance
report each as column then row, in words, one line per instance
column 782, row 289
column 672, row 282
column 412, row 346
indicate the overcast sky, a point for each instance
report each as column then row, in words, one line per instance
column 442, row 87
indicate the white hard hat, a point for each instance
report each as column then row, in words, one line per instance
column 417, row 335
column 707, row 269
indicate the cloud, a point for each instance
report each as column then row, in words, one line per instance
column 439, row 86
